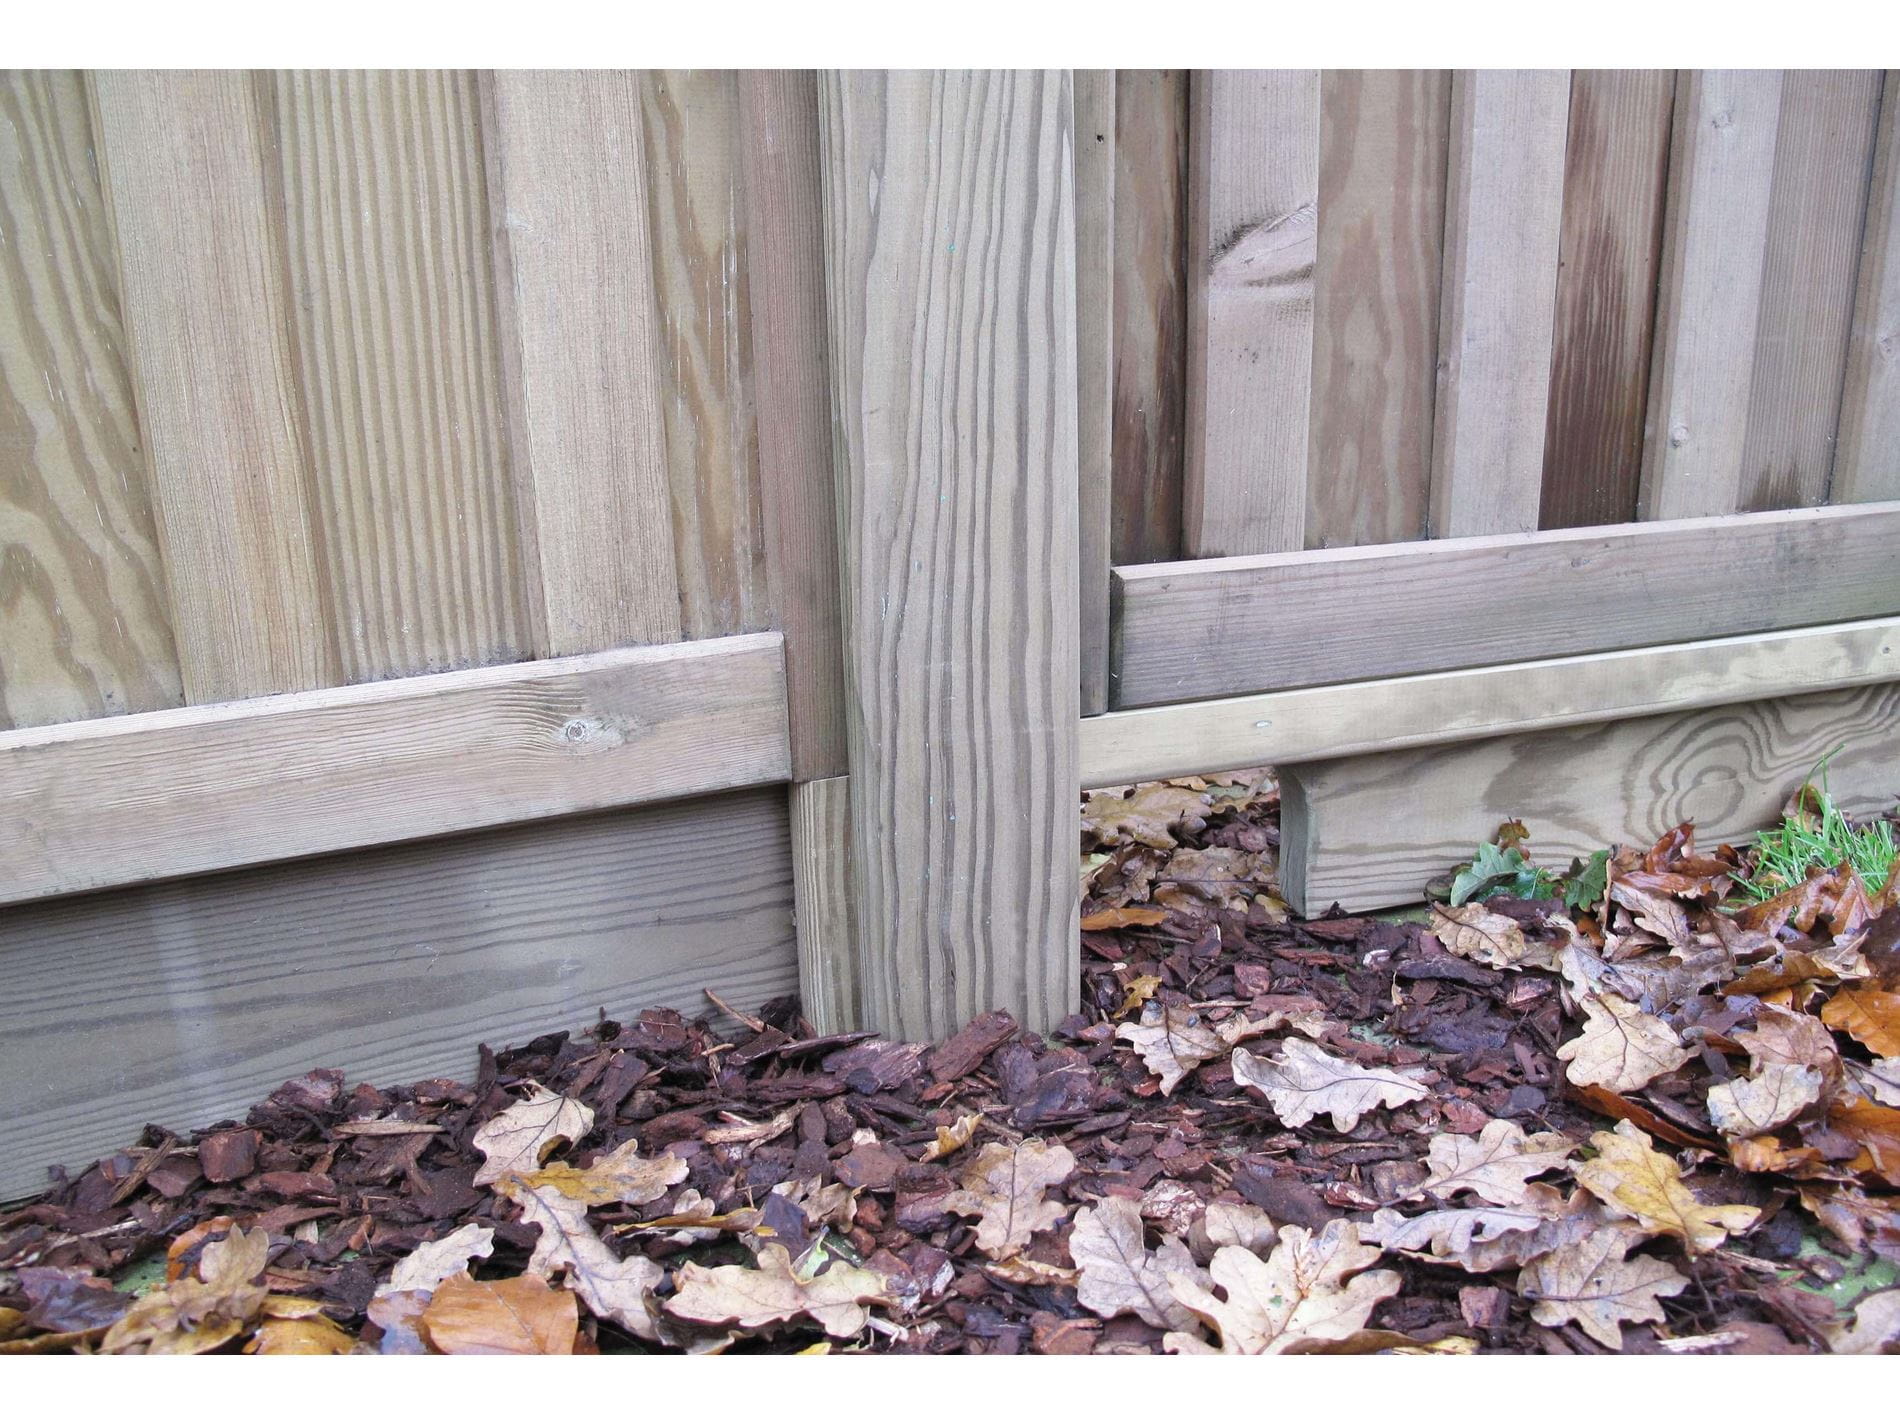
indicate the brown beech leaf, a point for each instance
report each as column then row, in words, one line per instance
column 1867, row 1014
column 1174, row 1041
column 1311, row 1287
column 1496, row 1165
column 1633, row 1180
column 1150, row 815
column 516, row 1316
column 1302, row 1081
column 615, row 1289
column 1621, row 1048
column 620, row 1176
column 1489, row 938
column 1003, row 1187
column 1876, row 1129
column 1780, row 1093
column 1876, row 1328
column 837, row 1298
column 1123, row 916
column 1120, row 1275
column 433, row 1263
column 302, row 1336
column 521, row 1136
column 1657, row 913
column 1786, row 1036
column 1591, row 1283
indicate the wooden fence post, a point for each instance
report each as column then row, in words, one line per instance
column 950, row 253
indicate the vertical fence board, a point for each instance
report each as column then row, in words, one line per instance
column 821, row 896
column 1253, row 201
column 1615, row 166
column 1867, row 460
column 951, row 258
column 567, row 193
column 1715, row 236
column 206, row 313
column 778, row 146
column 1823, row 156
column 1150, row 335
column 1094, row 364
column 385, row 230
column 83, row 620
column 1503, row 214
column 1375, row 304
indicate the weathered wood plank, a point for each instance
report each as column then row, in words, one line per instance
column 1094, row 365
column 1503, row 219
column 378, row 184
column 1616, row 166
column 1371, row 831
column 953, row 345
column 1214, row 628
column 1346, row 719
column 567, row 190
column 1715, row 239
column 1865, row 464
column 83, row 613
column 1383, row 139
column 821, row 886
column 206, row 311
column 1253, row 203
column 173, row 793
column 778, row 119
column 1150, row 338
column 183, row 1003
column 1823, row 155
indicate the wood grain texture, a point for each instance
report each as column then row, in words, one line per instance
column 1715, row 239
column 1497, row 300
column 1823, row 157
column 1215, row 628
column 184, row 1002
column 1346, row 719
column 206, row 310
column 951, row 257
column 1253, row 221
column 173, row 793
column 1867, row 459
column 567, row 194
column 1383, row 138
column 778, row 120
column 1150, row 338
column 84, row 621
column 702, row 283
column 1616, row 166
column 1371, row 831
column 377, row 180
column 821, row 887
column 1094, row 365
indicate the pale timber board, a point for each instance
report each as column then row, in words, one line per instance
column 821, row 885
column 1214, row 628
column 206, row 311
column 1253, row 205
column 185, row 1002
column 172, row 793
column 1497, row 302
column 1383, row 136
column 1867, row 459
column 1094, row 364
column 377, row 182
column 778, row 117
column 1708, row 303
column 1346, row 719
column 567, row 194
column 84, row 618
column 953, row 347
column 1823, row 157
column 1372, row 831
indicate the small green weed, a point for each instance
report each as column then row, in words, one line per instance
column 1816, row 835
column 1500, row 868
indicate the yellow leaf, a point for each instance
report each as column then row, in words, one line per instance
column 1633, row 1180
column 302, row 1336
column 1870, row 1015
column 516, row 1316
column 954, row 1136
column 619, row 1176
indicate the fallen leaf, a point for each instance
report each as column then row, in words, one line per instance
column 1370, row 1343
column 302, row 1336
column 1876, row 1129
column 189, row 1317
column 1657, row 913
column 738, row 1130
column 1141, row 989
column 516, row 1316
column 1621, row 1048
column 61, row 1299
column 1123, row 916
column 1219, row 876
column 1003, row 1187
column 1496, row 1165
column 1786, row 1036
column 1027, row 1271
column 1456, row 1234
column 1633, row 1180
column 1879, row 1081
column 952, row 1136
column 1150, row 815
column 620, row 1176
column 1120, row 1274
column 1867, row 1014
column 1174, row 1041
column 1876, row 1327
column 521, row 1136
column 837, row 1298
column 1231, row 1224
column 1592, row 1284
column 433, row 1263
column 1746, row 1108
column 1488, row 938
column 1303, row 1081
column 1311, row 1287
column 615, row 1289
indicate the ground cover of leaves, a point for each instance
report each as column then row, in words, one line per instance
column 1651, row 1126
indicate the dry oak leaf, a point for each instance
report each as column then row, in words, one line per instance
column 521, row 1136
column 1591, row 1283
column 1303, row 1081
column 620, row 1176
column 300, row 1336
column 952, row 1137
column 1633, row 1180
column 1231, row 1224
column 615, row 1289
column 1003, row 1186
column 1452, row 1233
column 433, row 1263
column 1120, row 1275
column 1780, row 1093
column 1489, row 938
column 1310, row 1288
column 1150, row 815
column 1879, row 1081
column 1174, row 1041
column 1868, row 1014
column 188, row 1316
column 1876, row 1328
column 1786, row 1036
column 1621, row 1048
column 516, row 1316
column 1496, row 1165
column 838, row 1299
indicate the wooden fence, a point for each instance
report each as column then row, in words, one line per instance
column 477, row 549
